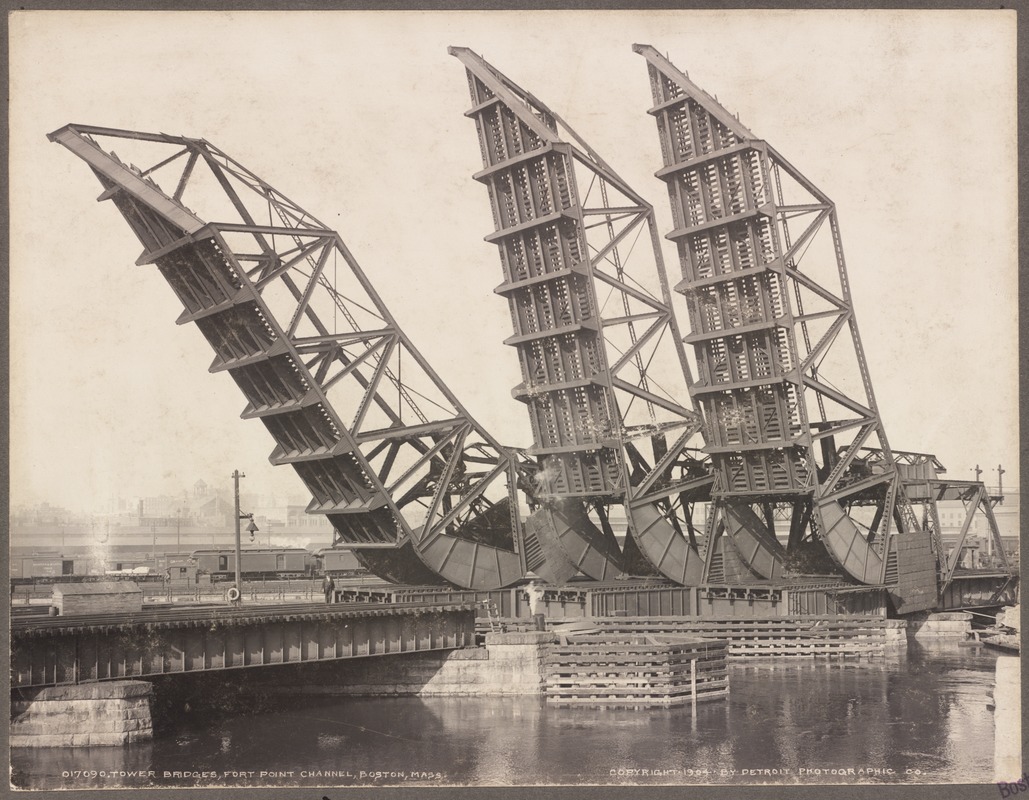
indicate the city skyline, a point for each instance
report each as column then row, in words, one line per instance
column 127, row 502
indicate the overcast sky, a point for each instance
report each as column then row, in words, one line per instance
column 905, row 119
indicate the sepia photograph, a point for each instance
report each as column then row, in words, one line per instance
column 422, row 400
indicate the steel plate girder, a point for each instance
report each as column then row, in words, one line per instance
column 114, row 653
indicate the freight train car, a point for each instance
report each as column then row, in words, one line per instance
column 256, row 562
column 48, row 565
column 49, row 568
column 339, row 562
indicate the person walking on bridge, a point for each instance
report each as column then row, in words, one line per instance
column 329, row 587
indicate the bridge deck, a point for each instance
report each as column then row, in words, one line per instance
column 65, row 650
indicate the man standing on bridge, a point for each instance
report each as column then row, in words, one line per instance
column 329, row 587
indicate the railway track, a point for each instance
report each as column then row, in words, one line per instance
column 197, row 616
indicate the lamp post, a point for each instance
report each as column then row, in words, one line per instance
column 252, row 528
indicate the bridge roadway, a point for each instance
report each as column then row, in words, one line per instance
column 78, row 649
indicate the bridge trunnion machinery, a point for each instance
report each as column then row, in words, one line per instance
column 410, row 482
column 792, row 423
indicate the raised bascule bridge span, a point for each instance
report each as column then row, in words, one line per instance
column 410, row 482
column 762, row 416
column 605, row 376
column 793, row 429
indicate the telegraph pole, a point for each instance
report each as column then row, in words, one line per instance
column 236, row 475
column 1000, row 482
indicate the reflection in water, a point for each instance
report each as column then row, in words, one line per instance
column 921, row 716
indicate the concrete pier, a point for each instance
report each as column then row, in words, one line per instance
column 942, row 625
column 86, row 715
column 509, row 664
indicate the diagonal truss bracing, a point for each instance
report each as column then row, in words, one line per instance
column 407, row 478
column 603, row 365
column 774, row 333
column 926, row 487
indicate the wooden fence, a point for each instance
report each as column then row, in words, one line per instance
column 802, row 636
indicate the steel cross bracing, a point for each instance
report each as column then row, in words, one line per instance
column 925, row 486
column 407, row 478
column 774, row 335
column 603, row 366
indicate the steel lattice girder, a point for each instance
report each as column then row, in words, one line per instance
column 589, row 369
column 763, row 328
column 925, row 486
column 407, row 478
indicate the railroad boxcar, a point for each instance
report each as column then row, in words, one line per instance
column 269, row 562
column 339, row 562
column 51, row 568
column 55, row 566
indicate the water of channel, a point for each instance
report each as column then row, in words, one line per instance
column 921, row 717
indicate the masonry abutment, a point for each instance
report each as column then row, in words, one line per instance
column 86, row 715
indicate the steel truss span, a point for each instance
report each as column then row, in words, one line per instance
column 604, row 371
column 782, row 380
column 406, row 477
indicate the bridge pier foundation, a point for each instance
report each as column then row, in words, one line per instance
column 86, row 715
column 941, row 625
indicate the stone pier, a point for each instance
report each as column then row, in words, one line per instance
column 86, row 715
column 896, row 633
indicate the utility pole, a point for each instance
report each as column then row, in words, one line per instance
column 978, row 472
column 236, row 475
column 1000, row 483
